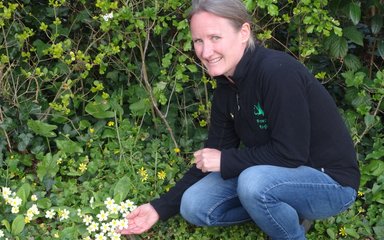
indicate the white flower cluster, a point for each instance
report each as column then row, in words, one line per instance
column 11, row 199
column 108, row 220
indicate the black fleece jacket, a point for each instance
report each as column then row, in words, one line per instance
column 278, row 114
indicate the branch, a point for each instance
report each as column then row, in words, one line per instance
column 148, row 85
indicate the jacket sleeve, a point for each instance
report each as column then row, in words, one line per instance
column 221, row 135
column 283, row 93
column 168, row 204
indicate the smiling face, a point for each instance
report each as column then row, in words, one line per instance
column 217, row 43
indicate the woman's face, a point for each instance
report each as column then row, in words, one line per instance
column 217, row 43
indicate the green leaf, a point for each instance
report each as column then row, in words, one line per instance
column 18, row 225
column 355, row 12
column 99, row 110
column 41, row 128
column 380, row 48
column 47, row 167
column 369, row 120
column 375, row 154
column 121, row 189
column 331, row 233
column 68, row 146
column 24, row 192
column 140, row 107
column 44, row 203
column 376, row 24
column 354, row 79
column 6, row 225
column 338, row 46
column 69, row 233
column 352, row 232
column 353, row 34
column 352, row 62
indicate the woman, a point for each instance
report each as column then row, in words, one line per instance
column 296, row 159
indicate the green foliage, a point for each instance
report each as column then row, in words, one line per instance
column 103, row 99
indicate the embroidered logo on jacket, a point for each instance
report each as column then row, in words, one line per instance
column 260, row 117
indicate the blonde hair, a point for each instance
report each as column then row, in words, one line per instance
column 233, row 10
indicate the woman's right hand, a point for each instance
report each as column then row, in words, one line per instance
column 140, row 220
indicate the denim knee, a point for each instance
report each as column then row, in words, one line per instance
column 189, row 210
column 251, row 183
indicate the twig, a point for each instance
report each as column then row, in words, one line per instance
column 148, row 85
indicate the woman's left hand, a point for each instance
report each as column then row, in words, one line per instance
column 208, row 159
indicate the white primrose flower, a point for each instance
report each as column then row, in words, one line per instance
column 6, row 192
column 105, row 227
column 34, row 198
column 87, row 219
column 15, row 202
column 100, row 236
column 63, row 214
column 1, row 233
column 123, row 223
column 114, row 209
column 114, row 235
column 15, row 210
column 109, row 202
column 114, row 224
column 93, row 227
column 108, row 16
column 50, row 214
column 102, row 216
column 34, row 209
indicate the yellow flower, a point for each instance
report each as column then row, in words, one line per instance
column 82, row 167
column 27, row 220
column 91, row 130
column 111, row 124
column 360, row 194
column 143, row 173
column 161, row 175
column 361, row 210
column 177, row 150
column 342, row 231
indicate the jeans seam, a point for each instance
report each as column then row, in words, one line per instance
column 212, row 209
column 293, row 183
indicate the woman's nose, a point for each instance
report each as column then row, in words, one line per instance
column 207, row 50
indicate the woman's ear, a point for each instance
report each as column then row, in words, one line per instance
column 245, row 32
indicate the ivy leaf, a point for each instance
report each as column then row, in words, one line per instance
column 69, row 146
column 353, row 34
column 99, row 110
column 18, row 225
column 376, row 24
column 41, row 128
column 354, row 12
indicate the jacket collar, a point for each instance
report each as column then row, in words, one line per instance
column 241, row 70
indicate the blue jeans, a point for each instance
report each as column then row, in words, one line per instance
column 275, row 198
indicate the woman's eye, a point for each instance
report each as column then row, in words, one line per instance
column 197, row 41
column 215, row 38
